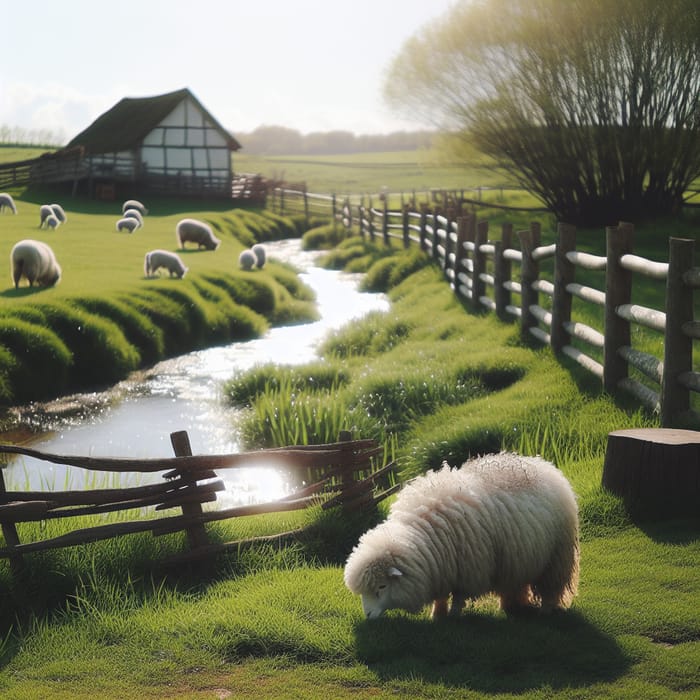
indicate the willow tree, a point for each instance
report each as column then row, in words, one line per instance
column 591, row 105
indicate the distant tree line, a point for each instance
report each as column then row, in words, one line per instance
column 19, row 136
column 280, row 140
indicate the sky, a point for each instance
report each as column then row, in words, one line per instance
column 309, row 65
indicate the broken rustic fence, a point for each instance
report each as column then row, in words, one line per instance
column 490, row 272
column 337, row 474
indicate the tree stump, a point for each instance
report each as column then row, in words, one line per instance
column 656, row 471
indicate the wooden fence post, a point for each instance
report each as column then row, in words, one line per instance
column 564, row 273
column 306, row 206
column 385, row 221
column 423, row 226
column 371, row 220
column 334, row 213
column 479, row 263
column 436, row 238
column 9, row 531
column 282, row 202
column 448, row 242
column 197, row 532
column 678, row 345
column 502, row 271
column 462, row 232
column 529, row 272
column 404, row 224
column 618, row 291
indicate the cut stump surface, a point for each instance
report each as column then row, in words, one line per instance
column 656, row 471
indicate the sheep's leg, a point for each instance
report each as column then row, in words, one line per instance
column 458, row 601
column 439, row 609
column 517, row 601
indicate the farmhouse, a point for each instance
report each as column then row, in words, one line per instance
column 166, row 144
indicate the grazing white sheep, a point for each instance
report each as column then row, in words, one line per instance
column 59, row 213
column 501, row 523
column 128, row 224
column 134, row 214
column 246, row 259
column 35, row 261
column 6, row 202
column 134, row 204
column 259, row 252
column 52, row 221
column 197, row 232
column 166, row 259
column 45, row 211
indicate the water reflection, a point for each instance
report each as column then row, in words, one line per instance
column 136, row 417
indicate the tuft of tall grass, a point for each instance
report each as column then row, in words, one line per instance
column 376, row 333
column 283, row 415
column 245, row 387
column 351, row 249
column 389, row 272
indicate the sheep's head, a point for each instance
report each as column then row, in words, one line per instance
column 374, row 572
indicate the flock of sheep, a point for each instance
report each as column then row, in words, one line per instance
column 35, row 260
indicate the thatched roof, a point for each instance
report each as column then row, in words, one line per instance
column 124, row 127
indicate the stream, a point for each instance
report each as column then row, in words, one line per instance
column 135, row 418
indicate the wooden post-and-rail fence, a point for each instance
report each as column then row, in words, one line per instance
column 480, row 270
column 338, row 474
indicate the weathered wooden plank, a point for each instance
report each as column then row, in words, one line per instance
column 292, row 457
column 93, row 496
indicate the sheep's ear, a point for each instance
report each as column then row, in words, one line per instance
column 394, row 572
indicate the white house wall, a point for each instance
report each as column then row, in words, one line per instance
column 186, row 143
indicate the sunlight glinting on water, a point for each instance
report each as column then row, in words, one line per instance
column 184, row 393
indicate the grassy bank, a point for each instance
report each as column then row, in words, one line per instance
column 105, row 318
column 439, row 383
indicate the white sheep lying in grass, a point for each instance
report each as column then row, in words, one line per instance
column 35, row 261
column 197, row 232
column 134, row 204
column 59, row 212
column 128, row 224
column 246, row 259
column 6, row 202
column 134, row 214
column 259, row 252
column 502, row 524
column 165, row 259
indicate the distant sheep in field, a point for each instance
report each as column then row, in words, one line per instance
column 59, row 213
column 128, row 224
column 501, row 523
column 36, row 262
column 45, row 211
column 52, row 222
column 134, row 214
column 197, row 232
column 166, row 259
column 134, row 204
column 246, row 259
column 6, row 202
column 259, row 252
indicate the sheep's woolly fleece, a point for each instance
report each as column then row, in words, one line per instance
column 502, row 523
column 36, row 261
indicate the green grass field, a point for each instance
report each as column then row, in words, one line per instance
column 434, row 381
column 128, row 320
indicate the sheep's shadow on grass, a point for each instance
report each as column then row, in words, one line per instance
column 492, row 653
column 24, row 291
